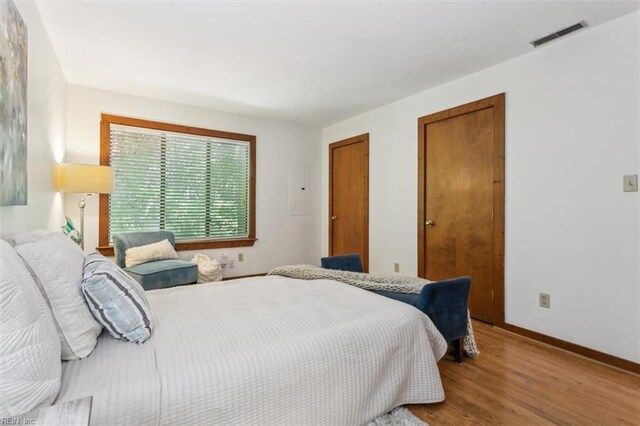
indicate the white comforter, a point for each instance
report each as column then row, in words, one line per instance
column 269, row 350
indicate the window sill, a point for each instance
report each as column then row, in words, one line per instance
column 196, row 245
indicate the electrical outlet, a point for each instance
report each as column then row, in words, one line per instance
column 231, row 263
column 224, row 259
column 240, row 257
column 545, row 300
column 396, row 267
column 631, row 183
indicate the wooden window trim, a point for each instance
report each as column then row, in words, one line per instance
column 103, row 217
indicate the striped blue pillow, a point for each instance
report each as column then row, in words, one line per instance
column 116, row 300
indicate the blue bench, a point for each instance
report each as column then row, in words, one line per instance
column 444, row 302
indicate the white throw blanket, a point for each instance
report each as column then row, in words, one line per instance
column 401, row 284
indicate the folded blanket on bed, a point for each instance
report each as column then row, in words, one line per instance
column 357, row 279
column 401, row 284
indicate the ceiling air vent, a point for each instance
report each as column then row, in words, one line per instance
column 561, row 33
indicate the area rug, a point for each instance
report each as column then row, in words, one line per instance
column 397, row 417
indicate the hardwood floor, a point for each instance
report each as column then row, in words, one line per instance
column 518, row 381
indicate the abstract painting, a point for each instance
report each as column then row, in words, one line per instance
column 13, row 106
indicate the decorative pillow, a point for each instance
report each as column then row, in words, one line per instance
column 30, row 365
column 56, row 263
column 116, row 299
column 156, row 251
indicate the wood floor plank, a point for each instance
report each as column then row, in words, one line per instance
column 519, row 381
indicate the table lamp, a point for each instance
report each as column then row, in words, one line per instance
column 85, row 179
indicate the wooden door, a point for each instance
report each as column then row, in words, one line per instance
column 349, row 198
column 461, row 219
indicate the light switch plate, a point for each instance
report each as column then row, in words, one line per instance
column 631, row 183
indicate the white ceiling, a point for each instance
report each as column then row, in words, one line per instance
column 312, row 63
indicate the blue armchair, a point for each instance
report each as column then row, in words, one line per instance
column 345, row 262
column 445, row 302
column 155, row 274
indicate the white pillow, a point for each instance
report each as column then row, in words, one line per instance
column 29, row 237
column 30, row 367
column 56, row 262
column 142, row 254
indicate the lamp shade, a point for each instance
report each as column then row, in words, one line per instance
column 84, row 178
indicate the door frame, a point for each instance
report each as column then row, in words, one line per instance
column 364, row 138
column 496, row 102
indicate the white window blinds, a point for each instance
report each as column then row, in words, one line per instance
column 194, row 186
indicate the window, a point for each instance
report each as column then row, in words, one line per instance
column 197, row 183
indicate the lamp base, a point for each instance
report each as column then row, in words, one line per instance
column 81, row 204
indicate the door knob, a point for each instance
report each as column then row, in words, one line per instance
column 429, row 223
column 334, row 217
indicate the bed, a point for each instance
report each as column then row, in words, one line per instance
column 263, row 350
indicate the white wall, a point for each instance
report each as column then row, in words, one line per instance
column 572, row 131
column 46, row 104
column 282, row 239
